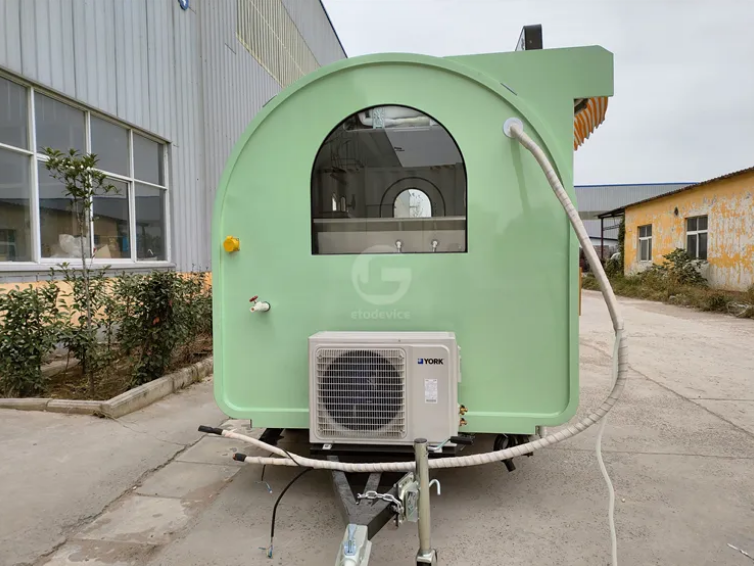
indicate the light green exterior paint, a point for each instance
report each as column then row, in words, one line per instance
column 512, row 299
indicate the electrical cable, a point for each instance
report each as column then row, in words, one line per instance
column 514, row 129
column 275, row 508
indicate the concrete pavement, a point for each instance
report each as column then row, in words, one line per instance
column 60, row 471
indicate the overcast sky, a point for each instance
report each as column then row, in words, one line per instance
column 683, row 108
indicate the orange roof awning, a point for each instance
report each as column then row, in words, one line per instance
column 587, row 119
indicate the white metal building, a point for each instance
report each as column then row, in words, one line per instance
column 160, row 90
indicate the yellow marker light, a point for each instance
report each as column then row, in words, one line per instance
column 231, row 244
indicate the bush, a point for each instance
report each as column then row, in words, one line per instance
column 614, row 267
column 193, row 312
column 679, row 268
column 589, row 282
column 715, row 302
column 30, row 326
column 678, row 281
column 147, row 333
column 136, row 327
column 162, row 313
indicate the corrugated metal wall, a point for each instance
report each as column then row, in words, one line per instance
column 593, row 200
column 108, row 54
column 180, row 75
column 235, row 87
column 314, row 26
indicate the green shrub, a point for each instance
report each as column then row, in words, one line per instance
column 589, row 282
column 614, row 267
column 148, row 321
column 715, row 302
column 30, row 327
column 162, row 313
column 147, row 333
column 679, row 268
column 193, row 302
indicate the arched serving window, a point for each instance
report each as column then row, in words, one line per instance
column 399, row 181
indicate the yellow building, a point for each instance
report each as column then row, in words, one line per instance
column 713, row 221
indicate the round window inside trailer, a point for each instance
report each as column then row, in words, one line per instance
column 389, row 179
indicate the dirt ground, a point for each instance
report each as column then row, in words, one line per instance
column 66, row 380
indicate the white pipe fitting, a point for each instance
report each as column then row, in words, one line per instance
column 261, row 306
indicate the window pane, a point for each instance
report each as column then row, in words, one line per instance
column 110, row 144
column 402, row 179
column 150, row 223
column 59, row 125
column 646, row 250
column 703, row 246
column 112, row 226
column 691, row 245
column 60, row 225
column 691, row 224
column 148, row 160
column 14, row 114
column 15, row 207
column 702, row 223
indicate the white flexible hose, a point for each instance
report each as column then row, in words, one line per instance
column 288, row 459
column 606, row 476
column 619, row 363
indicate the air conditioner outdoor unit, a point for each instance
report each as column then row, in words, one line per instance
column 383, row 388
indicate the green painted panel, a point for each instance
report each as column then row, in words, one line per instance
column 512, row 299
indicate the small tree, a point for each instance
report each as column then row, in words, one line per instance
column 83, row 182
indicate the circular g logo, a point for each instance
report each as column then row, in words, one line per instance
column 381, row 291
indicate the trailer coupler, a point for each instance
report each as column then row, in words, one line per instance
column 366, row 513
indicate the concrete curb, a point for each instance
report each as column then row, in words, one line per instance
column 125, row 403
column 25, row 404
column 74, row 407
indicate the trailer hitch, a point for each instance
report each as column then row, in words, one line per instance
column 407, row 500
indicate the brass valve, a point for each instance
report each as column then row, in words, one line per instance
column 463, row 410
column 462, row 422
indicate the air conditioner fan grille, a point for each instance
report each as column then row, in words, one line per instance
column 361, row 393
